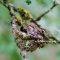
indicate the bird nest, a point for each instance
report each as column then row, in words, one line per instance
column 30, row 37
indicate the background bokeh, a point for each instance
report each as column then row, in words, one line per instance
column 51, row 22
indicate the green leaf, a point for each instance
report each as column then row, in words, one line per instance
column 28, row 2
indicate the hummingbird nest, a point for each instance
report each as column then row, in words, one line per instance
column 31, row 37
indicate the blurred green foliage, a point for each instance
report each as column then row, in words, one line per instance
column 50, row 21
column 7, row 43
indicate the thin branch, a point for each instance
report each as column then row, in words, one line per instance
column 39, row 18
column 3, row 4
column 16, row 33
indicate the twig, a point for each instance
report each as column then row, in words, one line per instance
column 39, row 18
column 3, row 4
column 16, row 33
